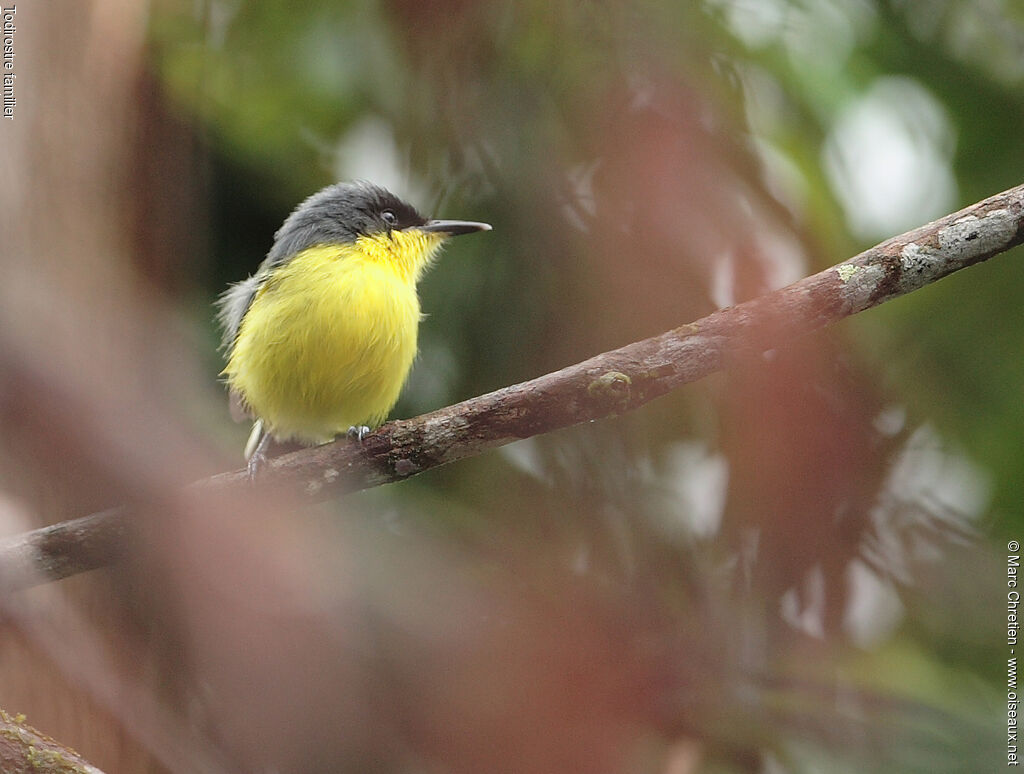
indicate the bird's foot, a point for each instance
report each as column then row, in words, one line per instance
column 257, row 460
column 358, row 433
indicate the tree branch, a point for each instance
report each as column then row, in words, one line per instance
column 23, row 750
column 609, row 384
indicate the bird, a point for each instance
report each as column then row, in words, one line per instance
column 321, row 339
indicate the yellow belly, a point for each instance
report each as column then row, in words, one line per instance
column 327, row 343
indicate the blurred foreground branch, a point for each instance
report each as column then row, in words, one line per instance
column 609, row 384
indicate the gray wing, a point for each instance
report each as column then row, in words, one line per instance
column 232, row 306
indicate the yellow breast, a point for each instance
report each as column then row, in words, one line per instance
column 329, row 338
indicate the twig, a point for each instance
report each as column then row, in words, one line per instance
column 609, row 384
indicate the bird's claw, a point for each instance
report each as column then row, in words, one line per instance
column 358, row 433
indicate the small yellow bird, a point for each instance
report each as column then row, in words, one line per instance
column 321, row 338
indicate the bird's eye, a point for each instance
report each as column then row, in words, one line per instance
column 389, row 217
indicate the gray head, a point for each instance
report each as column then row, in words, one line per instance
column 340, row 214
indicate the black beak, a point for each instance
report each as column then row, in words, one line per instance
column 453, row 227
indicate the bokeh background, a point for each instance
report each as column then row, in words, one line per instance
column 795, row 566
